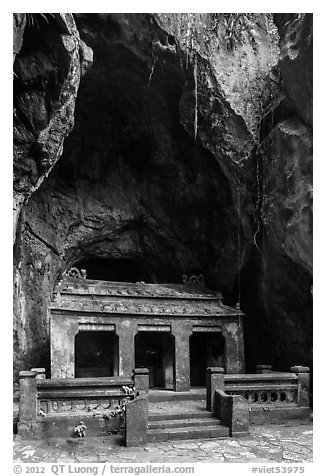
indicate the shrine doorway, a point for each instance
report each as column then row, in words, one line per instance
column 207, row 349
column 155, row 351
column 96, row 354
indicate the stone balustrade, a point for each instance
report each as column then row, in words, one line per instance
column 83, row 394
column 264, row 388
column 285, row 394
column 50, row 405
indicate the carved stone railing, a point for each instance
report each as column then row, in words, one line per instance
column 67, row 402
column 82, row 395
column 262, row 389
column 51, row 407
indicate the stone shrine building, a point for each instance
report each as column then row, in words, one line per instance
column 102, row 328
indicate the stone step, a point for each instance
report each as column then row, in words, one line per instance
column 171, row 396
column 188, row 433
column 177, row 423
column 179, row 416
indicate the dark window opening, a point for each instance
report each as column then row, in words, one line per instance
column 123, row 270
column 206, row 350
column 273, row 397
column 171, row 40
column 96, row 354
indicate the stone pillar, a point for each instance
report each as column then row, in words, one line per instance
column 239, row 416
column 39, row 373
column 63, row 331
column 263, row 369
column 214, row 381
column 126, row 331
column 303, row 384
column 234, row 346
column 181, row 332
column 136, row 421
column 141, row 379
column 27, row 396
column 168, row 360
column 116, row 355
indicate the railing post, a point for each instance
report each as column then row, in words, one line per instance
column 214, row 381
column 141, row 379
column 39, row 373
column 233, row 411
column 27, row 396
column 239, row 415
column 263, row 369
column 303, row 384
column 136, row 421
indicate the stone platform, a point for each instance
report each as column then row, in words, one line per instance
column 264, row 444
column 181, row 420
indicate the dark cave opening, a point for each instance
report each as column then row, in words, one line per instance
column 123, row 270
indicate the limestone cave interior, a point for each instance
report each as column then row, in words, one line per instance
column 160, row 162
column 124, row 270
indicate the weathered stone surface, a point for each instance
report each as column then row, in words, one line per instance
column 303, row 384
column 136, row 421
column 287, row 190
column 141, row 380
column 240, row 415
column 50, row 427
column 63, row 333
column 282, row 316
column 233, row 410
column 296, row 60
column 214, row 381
column 264, row 444
column 27, row 396
column 181, row 332
column 19, row 23
column 46, row 79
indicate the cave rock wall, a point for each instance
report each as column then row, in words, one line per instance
column 180, row 149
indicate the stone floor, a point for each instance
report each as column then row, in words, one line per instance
column 265, row 444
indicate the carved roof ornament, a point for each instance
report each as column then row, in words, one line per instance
column 76, row 273
column 194, row 280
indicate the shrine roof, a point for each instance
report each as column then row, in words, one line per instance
column 86, row 295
